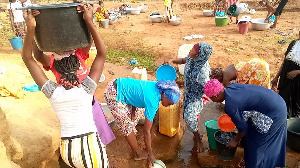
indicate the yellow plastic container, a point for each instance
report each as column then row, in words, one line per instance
column 169, row 119
column 92, row 55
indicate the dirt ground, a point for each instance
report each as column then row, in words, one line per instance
column 136, row 32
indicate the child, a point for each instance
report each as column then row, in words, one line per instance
column 169, row 11
column 80, row 143
column 220, row 6
column 16, row 18
column 233, row 4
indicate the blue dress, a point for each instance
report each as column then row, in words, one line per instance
column 196, row 74
column 267, row 148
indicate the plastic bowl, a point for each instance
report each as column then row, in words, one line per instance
column 166, row 72
column 293, row 134
column 259, row 24
column 156, row 18
column 113, row 20
column 134, row 11
column 159, row 164
column 208, row 13
column 175, row 21
column 143, row 8
column 225, row 123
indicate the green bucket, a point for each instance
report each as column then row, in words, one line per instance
column 211, row 128
column 221, row 21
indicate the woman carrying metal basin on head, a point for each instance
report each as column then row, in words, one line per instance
column 54, row 61
column 80, row 143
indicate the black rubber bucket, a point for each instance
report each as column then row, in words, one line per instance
column 293, row 134
column 59, row 27
column 222, row 138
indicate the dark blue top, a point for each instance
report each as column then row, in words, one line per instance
column 262, row 150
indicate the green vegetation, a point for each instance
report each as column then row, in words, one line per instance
column 145, row 59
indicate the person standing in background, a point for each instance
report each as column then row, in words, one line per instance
column 16, row 18
column 169, row 11
column 25, row 3
column 278, row 12
column 289, row 79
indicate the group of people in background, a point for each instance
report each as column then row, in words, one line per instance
column 245, row 87
column 274, row 7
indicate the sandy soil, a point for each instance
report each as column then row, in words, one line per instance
column 136, row 32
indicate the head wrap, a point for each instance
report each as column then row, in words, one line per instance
column 212, row 88
column 170, row 89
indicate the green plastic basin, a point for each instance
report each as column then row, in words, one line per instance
column 221, row 21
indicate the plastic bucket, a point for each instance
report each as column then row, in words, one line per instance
column 16, row 43
column 243, row 28
column 221, row 21
column 183, row 52
column 225, row 153
column 105, row 23
column 211, row 128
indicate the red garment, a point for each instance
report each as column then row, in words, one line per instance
column 82, row 72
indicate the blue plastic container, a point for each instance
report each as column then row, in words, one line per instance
column 16, row 43
column 166, row 72
column 31, row 87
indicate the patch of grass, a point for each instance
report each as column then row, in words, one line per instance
column 144, row 58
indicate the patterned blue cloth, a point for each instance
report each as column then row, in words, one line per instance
column 196, row 74
column 170, row 89
column 259, row 120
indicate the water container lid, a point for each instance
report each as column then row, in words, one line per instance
column 166, row 72
column 61, row 5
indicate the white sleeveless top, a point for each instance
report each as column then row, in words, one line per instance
column 73, row 106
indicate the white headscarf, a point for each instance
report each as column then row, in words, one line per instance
column 294, row 54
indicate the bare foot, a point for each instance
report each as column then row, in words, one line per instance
column 273, row 27
column 141, row 156
column 198, row 146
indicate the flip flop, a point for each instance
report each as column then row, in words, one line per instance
column 282, row 41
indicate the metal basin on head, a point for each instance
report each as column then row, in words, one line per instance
column 59, row 27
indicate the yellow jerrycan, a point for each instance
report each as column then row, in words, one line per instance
column 92, row 55
column 169, row 119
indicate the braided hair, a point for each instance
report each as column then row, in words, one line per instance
column 217, row 73
column 68, row 67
